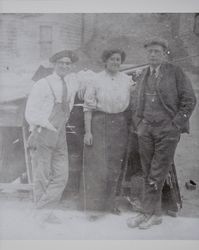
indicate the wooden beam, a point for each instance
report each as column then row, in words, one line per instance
column 27, row 155
column 16, row 186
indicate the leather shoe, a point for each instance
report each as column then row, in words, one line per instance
column 135, row 221
column 191, row 185
column 153, row 220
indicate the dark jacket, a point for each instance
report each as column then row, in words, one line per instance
column 174, row 91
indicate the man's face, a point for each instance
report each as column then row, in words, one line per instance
column 63, row 66
column 155, row 55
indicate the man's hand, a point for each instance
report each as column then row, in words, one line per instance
column 88, row 139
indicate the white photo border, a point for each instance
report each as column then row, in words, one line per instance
column 98, row 6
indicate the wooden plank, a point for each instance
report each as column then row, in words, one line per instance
column 27, row 155
column 17, row 186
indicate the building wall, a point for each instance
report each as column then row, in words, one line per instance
column 20, row 40
column 129, row 31
column 91, row 34
column 191, row 41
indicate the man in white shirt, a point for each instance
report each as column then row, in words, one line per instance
column 47, row 111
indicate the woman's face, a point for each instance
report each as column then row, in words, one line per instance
column 113, row 63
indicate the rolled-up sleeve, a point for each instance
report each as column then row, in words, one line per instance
column 85, row 78
column 34, row 113
column 90, row 100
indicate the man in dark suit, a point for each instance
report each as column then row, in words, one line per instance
column 163, row 104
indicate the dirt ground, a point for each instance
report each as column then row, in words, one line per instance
column 18, row 221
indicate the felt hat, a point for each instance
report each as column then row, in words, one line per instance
column 64, row 53
column 156, row 41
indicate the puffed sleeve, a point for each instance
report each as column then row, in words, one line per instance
column 132, row 90
column 131, row 84
column 87, row 90
column 85, row 78
column 90, row 100
column 130, row 81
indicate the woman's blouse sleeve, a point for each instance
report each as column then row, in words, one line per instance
column 90, row 100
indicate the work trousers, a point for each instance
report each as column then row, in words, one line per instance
column 157, row 146
column 50, row 171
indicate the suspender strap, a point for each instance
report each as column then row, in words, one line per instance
column 52, row 91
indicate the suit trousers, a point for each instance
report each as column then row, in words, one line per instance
column 50, row 171
column 157, row 147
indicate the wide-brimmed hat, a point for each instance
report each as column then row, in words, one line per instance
column 64, row 53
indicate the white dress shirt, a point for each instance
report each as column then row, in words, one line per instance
column 40, row 101
column 157, row 69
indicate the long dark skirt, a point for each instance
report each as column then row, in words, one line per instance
column 103, row 160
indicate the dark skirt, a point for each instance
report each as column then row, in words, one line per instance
column 103, row 160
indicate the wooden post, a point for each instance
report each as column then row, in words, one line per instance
column 27, row 155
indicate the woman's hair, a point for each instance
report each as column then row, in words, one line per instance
column 108, row 53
